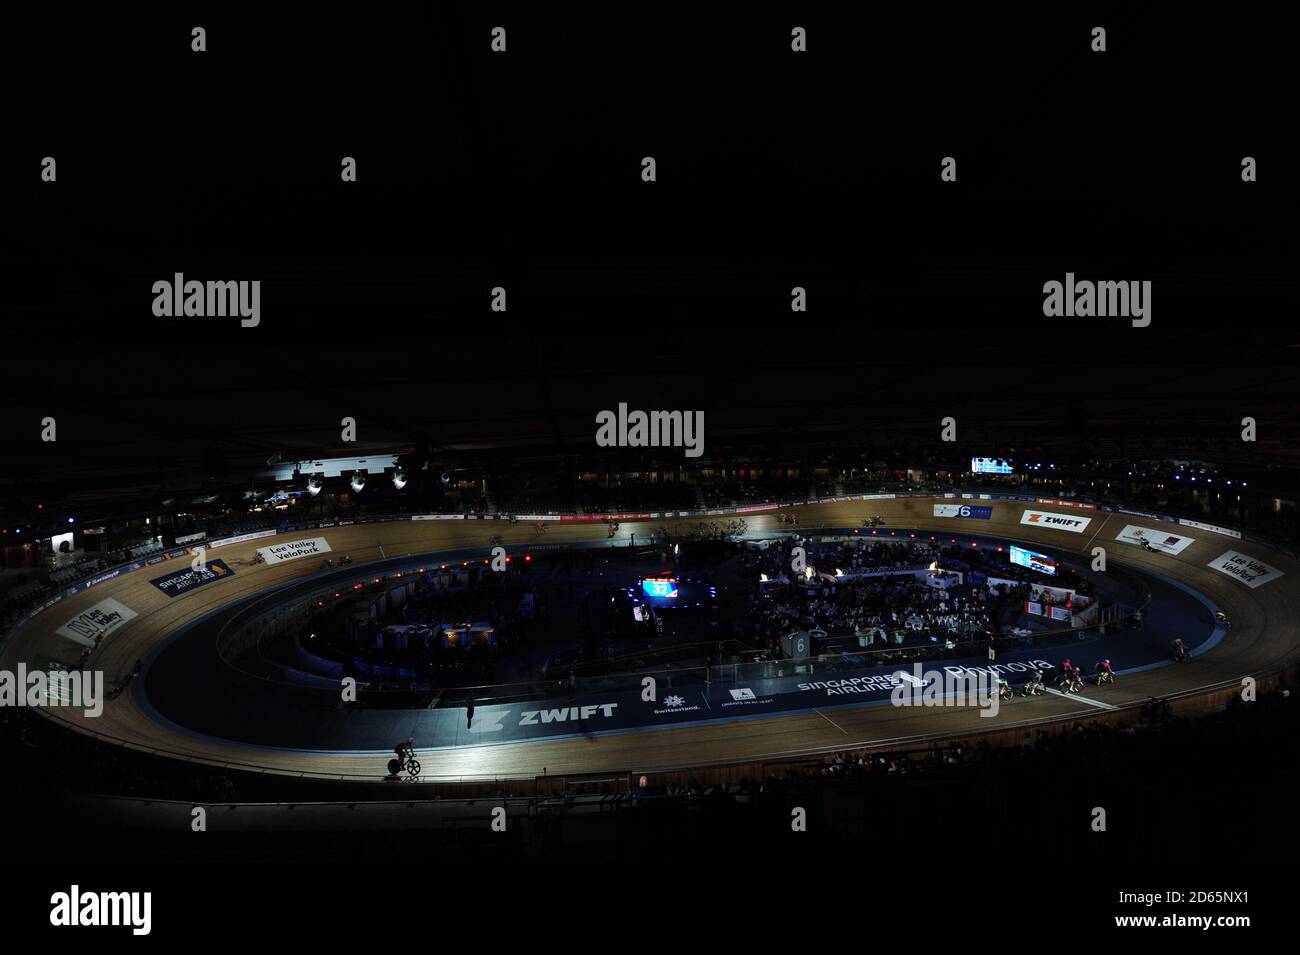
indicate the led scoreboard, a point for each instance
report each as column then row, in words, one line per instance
column 1034, row 561
column 664, row 591
column 665, row 588
column 989, row 466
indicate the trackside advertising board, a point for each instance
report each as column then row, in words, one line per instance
column 1251, row 571
column 292, row 550
column 1073, row 523
column 1225, row 531
column 182, row 582
column 1159, row 540
column 107, row 615
column 979, row 512
column 240, row 538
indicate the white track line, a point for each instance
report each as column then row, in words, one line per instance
column 1081, row 699
column 831, row 721
column 1088, row 546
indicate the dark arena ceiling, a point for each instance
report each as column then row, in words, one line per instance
column 922, row 304
column 533, row 395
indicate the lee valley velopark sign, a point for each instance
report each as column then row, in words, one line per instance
column 292, row 550
column 1251, row 571
column 107, row 615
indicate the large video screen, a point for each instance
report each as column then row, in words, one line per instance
column 989, row 466
column 664, row 588
column 1034, row 561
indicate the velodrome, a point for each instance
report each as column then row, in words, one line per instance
column 1263, row 639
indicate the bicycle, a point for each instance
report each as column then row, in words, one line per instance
column 410, row 764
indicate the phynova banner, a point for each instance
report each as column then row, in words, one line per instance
column 107, row 615
column 1249, row 570
column 292, row 550
column 1060, row 522
column 979, row 512
column 1159, row 540
column 184, row 581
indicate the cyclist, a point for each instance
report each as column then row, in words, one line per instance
column 405, row 750
column 1004, row 688
column 1104, row 673
column 1071, row 678
column 1180, row 649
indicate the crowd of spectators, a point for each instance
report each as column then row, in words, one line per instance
column 408, row 636
column 632, row 497
column 877, row 588
column 1151, row 737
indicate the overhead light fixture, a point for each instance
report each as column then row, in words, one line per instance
column 358, row 481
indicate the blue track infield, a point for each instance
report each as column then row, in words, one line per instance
column 187, row 687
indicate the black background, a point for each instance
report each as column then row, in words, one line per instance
column 523, row 170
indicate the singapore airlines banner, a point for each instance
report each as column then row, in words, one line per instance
column 1061, row 522
column 292, row 550
column 1249, row 570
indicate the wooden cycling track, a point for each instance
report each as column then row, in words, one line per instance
column 1264, row 636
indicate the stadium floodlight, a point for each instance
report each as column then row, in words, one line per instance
column 399, row 479
column 314, row 484
column 358, row 481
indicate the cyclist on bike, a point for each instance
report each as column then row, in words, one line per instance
column 1180, row 649
column 1104, row 672
column 1004, row 688
column 1070, row 678
column 405, row 750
